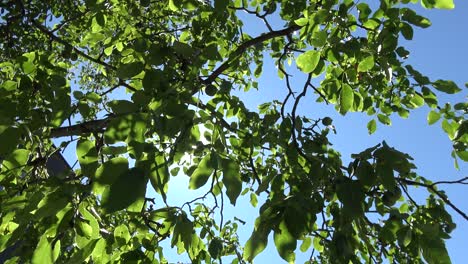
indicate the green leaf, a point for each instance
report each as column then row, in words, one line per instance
column 28, row 67
column 221, row 5
column 384, row 119
column 109, row 171
column 172, row 6
column 128, row 189
column 122, row 106
column 159, row 175
column 253, row 199
column 319, row 38
column 405, row 236
column 306, row 243
column 114, row 150
column 365, row 173
column 9, row 85
column 411, row 17
column 122, row 235
column 449, row 128
column 463, row 155
column 371, row 126
column 91, row 221
column 346, row 98
column 202, row 173
column 406, row 30
column 51, row 204
column 15, row 161
column 81, row 255
column 9, row 138
column 182, row 235
column 433, row 117
column 319, row 247
column 417, row 100
column 351, row 195
column 87, row 157
column 183, row 49
column 308, row 60
column 43, row 252
column 449, row 87
column 364, row 11
column 99, row 253
column 444, row 4
column 441, row 4
column 129, row 70
column 256, row 244
column 232, row 179
column 215, row 248
column 285, row 243
column 385, row 173
column 84, row 229
column 56, row 251
column 434, row 251
column 301, row 21
column 101, row 19
column 366, row 64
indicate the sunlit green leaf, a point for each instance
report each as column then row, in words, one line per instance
column 433, row 117
column 285, row 243
column 307, row 242
column 366, row 64
column 43, row 252
column 346, row 98
column 441, row 4
column 384, row 119
column 308, row 60
column 87, row 156
column 371, row 126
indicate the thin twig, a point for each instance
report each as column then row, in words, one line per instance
column 438, row 193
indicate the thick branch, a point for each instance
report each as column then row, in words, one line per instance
column 80, row 129
column 244, row 46
column 100, row 125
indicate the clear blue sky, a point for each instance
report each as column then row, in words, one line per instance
column 439, row 52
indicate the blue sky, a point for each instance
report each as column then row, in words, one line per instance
column 439, row 52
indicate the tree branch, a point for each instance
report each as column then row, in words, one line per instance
column 99, row 125
column 93, row 126
column 460, row 181
column 63, row 42
column 52, row 36
column 439, row 194
column 244, row 46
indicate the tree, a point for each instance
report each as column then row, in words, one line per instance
column 66, row 64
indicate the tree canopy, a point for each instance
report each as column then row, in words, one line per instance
column 149, row 90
